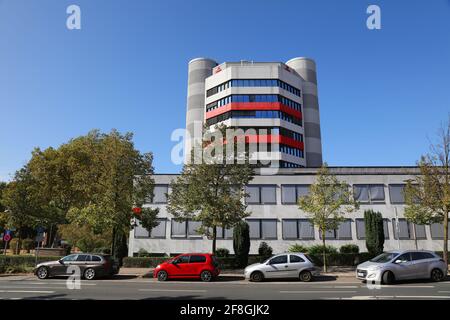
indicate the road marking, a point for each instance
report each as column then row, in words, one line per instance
column 339, row 287
column 47, row 283
column 320, row 291
column 25, row 291
column 172, row 290
column 392, row 297
column 405, row 286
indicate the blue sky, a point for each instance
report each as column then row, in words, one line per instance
column 381, row 93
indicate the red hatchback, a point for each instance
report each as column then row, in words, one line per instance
column 191, row 265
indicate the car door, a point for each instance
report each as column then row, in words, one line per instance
column 421, row 262
column 180, row 267
column 65, row 262
column 277, row 267
column 196, row 264
column 81, row 262
column 403, row 267
column 295, row 265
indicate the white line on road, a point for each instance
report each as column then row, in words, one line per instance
column 25, row 291
column 320, row 291
column 172, row 290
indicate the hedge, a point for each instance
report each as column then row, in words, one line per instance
column 21, row 261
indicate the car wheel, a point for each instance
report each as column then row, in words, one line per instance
column 388, row 278
column 305, row 276
column 206, row 276
column 436, row 275
column 257, row 276
column 42, row 273
column 89, row 274
column 162, row 275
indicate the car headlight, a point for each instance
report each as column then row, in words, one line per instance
column 158, row 266
column 375, row 268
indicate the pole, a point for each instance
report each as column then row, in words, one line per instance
column 396, row 228
column 36, row 254
column 6, row 246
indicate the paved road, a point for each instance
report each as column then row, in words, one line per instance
column 28, row 287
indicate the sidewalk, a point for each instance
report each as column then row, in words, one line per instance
column 148, row 272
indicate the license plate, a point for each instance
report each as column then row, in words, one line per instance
column 360, row 274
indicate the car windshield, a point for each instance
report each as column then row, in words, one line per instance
column 384, row 257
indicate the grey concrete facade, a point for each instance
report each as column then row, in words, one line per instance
column 278, row 213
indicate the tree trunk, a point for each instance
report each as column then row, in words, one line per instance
column 113, row 243
column 324, row 254
column 214, row 240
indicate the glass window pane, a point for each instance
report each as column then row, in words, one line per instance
column 437, row 231
column 377, row 193
column 253, row 194
column 178, row 229
column 360, row 229
column 386, row 228
column 344, row 230
column 193, row 227
column 289, row 227
column 139, row 231
column 254, row 226
column 302, row 190
column 160, row 230
column 420, row 231
column 268, row 194
column 361, row 193
column 269, row 229
column 229, row 233
column 159, row 194
column 396, row 193
column 288, row 194
column 306, row 229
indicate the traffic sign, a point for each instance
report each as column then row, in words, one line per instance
column 7, row 237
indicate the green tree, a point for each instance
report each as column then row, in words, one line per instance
column 327, row 203
column 210, row 190
column 83, row 237
column 427, row 195
column 373, row 222
column 241, row 243
column 2, row 187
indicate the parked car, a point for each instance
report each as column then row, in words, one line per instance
column 191, row 265
column 91, row 266
column 402, row 265
column 285, row 265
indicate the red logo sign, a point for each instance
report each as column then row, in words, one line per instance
column 217, row 69
column 137, row 210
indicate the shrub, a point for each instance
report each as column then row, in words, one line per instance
column 349, row 248
column 28, row 244
column 298, row 248
column 143, row 253
column 102, row 250
column 264, row 251
column 18, row 263
column 14, row 245
column 241, row 243
column 373, row 222
column 318, row 249
column 222, row 252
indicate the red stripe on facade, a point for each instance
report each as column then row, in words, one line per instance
column 254, row 106
column 273, row 138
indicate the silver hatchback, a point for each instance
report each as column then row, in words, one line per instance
column 402, row 265
column 285, row 265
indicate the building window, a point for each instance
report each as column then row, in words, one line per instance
column 406, row 230
column 265, row 194
column 369, row 193
column 361, row 229
column 159, row 194
column 291, row 192
column 396, row 193
column 301, row 229
column 437, row 231
column 343, row 232
column 224, row 233
column 186, row 228
column 178, row 229
column 263, row 228
column 158, row 232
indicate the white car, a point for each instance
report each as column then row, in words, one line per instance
column 402, row 265
column 285, row 265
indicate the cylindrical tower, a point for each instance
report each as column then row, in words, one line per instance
column 306, row 68
column 199, row 70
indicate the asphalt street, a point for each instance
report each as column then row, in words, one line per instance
column 123, row 288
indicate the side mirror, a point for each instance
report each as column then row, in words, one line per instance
column 398, row 261
column 174, row 262
column 61, row 261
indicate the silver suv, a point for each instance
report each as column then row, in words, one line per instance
column 402, row 265
column 285, row 265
